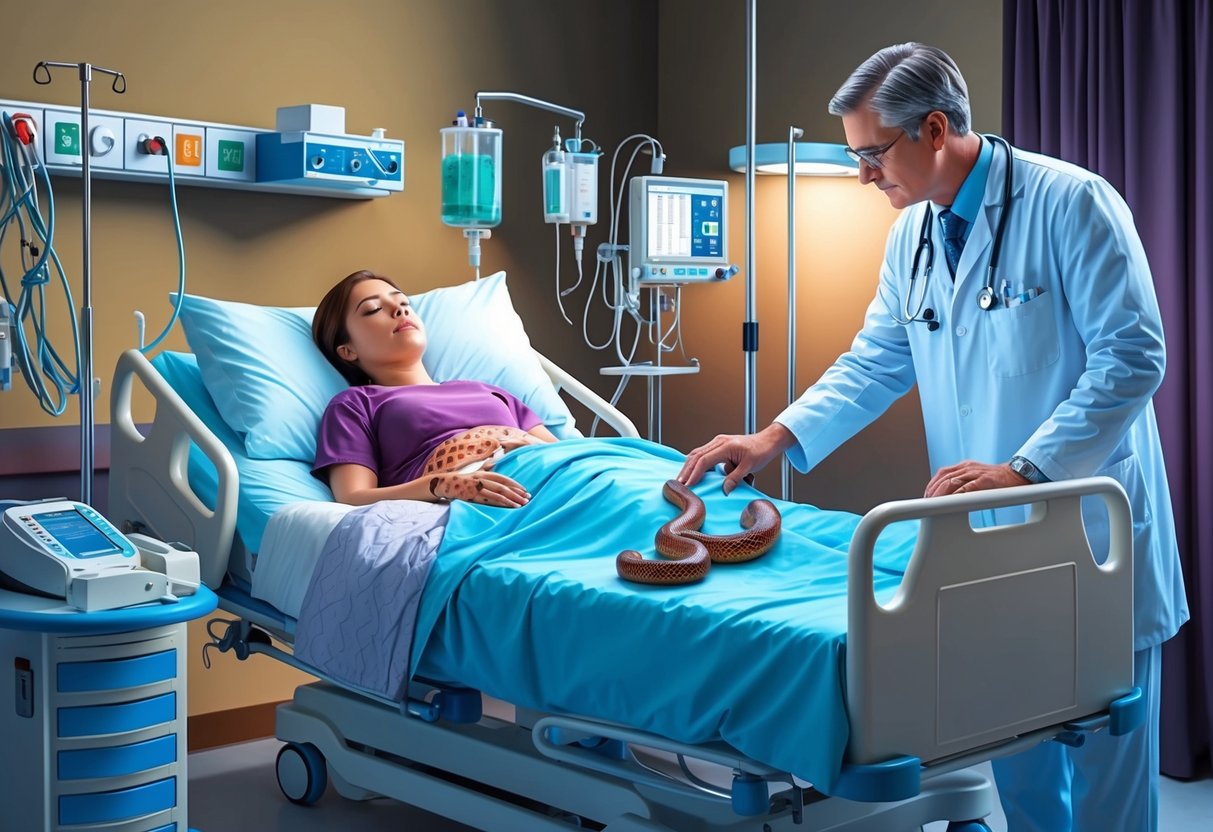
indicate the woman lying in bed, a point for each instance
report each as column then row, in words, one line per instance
column 397, row 434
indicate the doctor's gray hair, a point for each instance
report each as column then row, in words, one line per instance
column 907, row 82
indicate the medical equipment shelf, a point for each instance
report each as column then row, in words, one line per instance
column 649, row 370
column 207, row 154
column 653, row 374
column 94, row 720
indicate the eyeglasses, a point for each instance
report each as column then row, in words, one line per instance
column 873, row 157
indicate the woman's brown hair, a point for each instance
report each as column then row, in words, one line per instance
column 328, row 325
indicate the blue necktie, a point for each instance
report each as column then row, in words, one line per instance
column 953, row 237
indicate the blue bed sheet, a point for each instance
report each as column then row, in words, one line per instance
column 525, row 605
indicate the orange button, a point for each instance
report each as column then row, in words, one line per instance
column 189, row 150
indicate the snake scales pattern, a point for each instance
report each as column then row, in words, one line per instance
column 689, row 552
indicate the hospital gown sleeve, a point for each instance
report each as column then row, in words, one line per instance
column 346, row 435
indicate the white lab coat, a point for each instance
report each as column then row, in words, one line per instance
column 1064, row 379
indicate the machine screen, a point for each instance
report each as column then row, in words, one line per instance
column 685, row 222
column 75, row 533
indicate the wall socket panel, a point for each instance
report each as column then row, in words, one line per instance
column 64, row 144
column 34, row 111
column 212, row 155
column 231, row 154
column 136, row 131
column 188, row 149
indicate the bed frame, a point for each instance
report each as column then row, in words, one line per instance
column 997, row 639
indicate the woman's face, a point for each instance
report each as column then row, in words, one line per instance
column 384, row 328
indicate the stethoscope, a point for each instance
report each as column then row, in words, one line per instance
column 987, row 298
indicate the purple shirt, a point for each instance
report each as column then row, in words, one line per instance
column 393, row 430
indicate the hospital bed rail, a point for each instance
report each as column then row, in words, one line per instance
column 149, row 488
column 1011, row 640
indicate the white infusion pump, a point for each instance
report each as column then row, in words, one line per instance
column 67, row 550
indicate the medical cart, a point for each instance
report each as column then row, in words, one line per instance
column 94, row 719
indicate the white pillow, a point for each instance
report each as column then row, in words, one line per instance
column 271, row 383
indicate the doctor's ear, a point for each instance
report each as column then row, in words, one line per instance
column 936, row 127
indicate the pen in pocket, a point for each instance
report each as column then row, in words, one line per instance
column 1024, row 297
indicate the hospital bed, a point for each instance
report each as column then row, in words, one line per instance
column 994, row 640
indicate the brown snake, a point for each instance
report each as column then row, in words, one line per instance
column 690, row 552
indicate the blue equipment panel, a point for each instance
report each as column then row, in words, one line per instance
column 334, row 161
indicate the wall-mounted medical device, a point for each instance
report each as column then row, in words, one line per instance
column 330, row 161
column 312, row 147
column 678, row 230
column 123, row 145
column 65, row 549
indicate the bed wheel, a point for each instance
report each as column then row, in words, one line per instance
column 302, row 774
column 968, row 826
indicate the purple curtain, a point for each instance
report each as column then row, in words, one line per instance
column 1125, row 88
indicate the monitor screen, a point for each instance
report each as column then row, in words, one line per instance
column 77, row 534
column 685, row 221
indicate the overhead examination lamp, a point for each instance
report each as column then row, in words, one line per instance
column 811, row 159
column 805, row 159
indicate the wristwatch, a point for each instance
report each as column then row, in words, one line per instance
column 1027, row 470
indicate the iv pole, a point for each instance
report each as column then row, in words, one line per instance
column 84, row 381
column 749, row 332
column 794, row 133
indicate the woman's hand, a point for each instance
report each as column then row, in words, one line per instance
column 483, row 486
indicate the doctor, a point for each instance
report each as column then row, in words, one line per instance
column 1042, row 368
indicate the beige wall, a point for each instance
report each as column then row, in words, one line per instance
column 805, row 51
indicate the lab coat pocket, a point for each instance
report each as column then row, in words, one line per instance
column 1022, row 339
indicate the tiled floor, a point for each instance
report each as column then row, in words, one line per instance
column 235, row 789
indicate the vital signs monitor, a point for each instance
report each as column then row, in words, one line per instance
column 678, row 230
column 68, row 550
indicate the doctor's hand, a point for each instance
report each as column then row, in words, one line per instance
column 967, row 476
column 741, row 455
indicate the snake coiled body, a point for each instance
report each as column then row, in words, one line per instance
column 689, row 552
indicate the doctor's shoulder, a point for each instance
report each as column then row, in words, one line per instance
column 1057, row 178
column 1064, row 195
